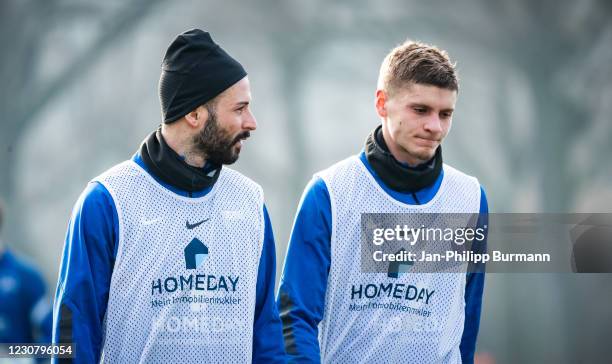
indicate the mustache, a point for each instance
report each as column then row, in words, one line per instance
column 243, row 135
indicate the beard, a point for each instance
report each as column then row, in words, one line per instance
column 216, row 144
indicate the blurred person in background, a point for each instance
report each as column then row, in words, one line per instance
column 400, row 170
column 25, row 310
column 169, row 256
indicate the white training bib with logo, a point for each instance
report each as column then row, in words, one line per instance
column 184, row 280
column 429, row 330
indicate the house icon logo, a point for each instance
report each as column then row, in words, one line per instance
column 396, row 269
column 195, row 254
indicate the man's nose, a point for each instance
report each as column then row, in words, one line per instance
column 250, row 123
column 433, row 124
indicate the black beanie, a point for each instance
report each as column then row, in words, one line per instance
column 195, row 70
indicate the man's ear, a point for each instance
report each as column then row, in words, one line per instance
column 197, row 117
column 381, row 100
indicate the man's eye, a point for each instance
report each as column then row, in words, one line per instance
column 447, row 115
column 420, row 110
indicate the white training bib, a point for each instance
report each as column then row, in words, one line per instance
column 371, row 317
column 184, row 280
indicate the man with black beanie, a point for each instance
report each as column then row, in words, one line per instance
column 169, row 256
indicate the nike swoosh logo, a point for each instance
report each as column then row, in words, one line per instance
column 193, row 226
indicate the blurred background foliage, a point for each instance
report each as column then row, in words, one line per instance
column 79, row 93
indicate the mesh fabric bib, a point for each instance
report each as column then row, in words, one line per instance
column 184, row 279
column 363, row 322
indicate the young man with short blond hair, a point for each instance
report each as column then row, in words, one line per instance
column 399, row 171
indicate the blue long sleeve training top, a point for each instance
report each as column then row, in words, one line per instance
column 87, row 265
column 309, row 251
column 25, row 310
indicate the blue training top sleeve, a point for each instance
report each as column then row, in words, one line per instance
column 89, row 253
column 301, row 297
column 473, row 292
column 40, row 309
column 267, row 331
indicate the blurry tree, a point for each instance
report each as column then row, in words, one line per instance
column 29, row 34
column 549, row 42
column 561, row 49
column 543, row 40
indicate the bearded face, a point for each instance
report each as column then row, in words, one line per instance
column 217, row 144
column 228, row 123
